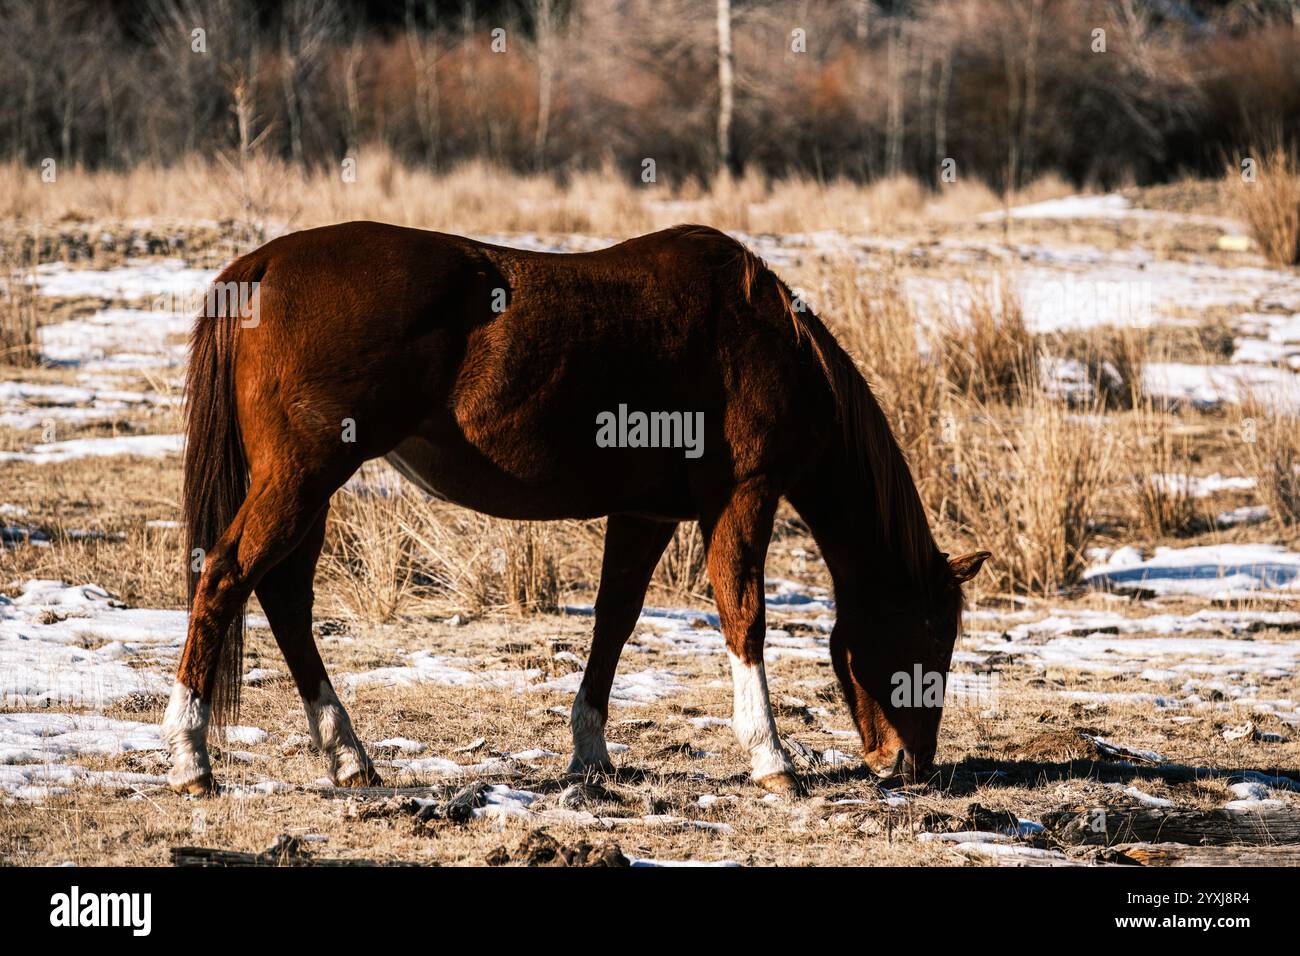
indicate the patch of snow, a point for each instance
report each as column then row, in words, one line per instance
column 1012, row 853
column 1210, row 386
column 1202, row 486
column 401, row 743
column 1255, row 806
column 503, row 801
column 645, row 861
column 636, row 687
column 1210, row 571
column 137, row 279
column 38, row 750
column 118, row 340
column 140, row 446
column 77, row 647
column 1246, row 514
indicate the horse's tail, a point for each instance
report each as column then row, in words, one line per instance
column 867, row 440
column 216, row 468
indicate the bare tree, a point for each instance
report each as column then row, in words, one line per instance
column 544, row 31
column 307, row 30
column 424, row 61
column 726, row 90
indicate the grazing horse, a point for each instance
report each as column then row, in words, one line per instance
column 483, row 374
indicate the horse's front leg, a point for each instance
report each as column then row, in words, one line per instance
column 736, row 539
column 632, row 549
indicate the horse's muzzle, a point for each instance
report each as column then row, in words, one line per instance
column 903, row 766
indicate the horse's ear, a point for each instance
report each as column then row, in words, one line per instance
column 965, row 567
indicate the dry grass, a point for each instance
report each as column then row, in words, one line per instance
column 390, row 546
column 1160, row 462
column 369, row 560
column 682, row 575
column 1270, row 441
column 875, row 321
column 260, row 194
column 1028, row 490
column 1112, row 359
column 1271, row 204
column 987, row 351
column 19, row 307
column 999, row 464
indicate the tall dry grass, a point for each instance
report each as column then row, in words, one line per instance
column 1000, row 464
column 141, row 565
column 1271, row 204
column 874, row 318
column 1271, row 450
column 1158, row 456
column 19, row 315
column 390, row 546
column 1028, row 488
column 1111, row 358
column 682, row 574
column 986, row 349
column 366, row 562
column 976, row 350
column 261, row 194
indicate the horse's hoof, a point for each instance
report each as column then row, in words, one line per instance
column 893, row 769
column 200, row 786
column 581, row 768
column 362, row 777
column 783, row 784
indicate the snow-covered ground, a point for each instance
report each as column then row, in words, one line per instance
column 137, row 279
column 1060, row 286
column 69, row 652
column 109, row 353
column 141, row 446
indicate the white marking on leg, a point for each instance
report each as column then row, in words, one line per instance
column 588, row 735
column 185, row 730
column 752, row 720
column 332, row 733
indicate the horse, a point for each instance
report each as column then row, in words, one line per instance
column 482, row 374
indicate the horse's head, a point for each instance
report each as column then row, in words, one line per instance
column 892, row 661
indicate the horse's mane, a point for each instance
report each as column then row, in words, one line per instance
column 869, row 442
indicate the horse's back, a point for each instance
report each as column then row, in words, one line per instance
column 499, row 363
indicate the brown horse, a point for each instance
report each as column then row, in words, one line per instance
column 483, row 374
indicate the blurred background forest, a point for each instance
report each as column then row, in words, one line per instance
column 858, row 90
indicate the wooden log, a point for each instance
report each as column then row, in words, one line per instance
column 285, row 851
column 462, row 805
column 1269, row 826
column 1178, row 854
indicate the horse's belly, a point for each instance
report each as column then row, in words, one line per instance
column 461, row 474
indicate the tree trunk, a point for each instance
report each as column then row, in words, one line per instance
column 726, row 82
column 425, row 66
column 545, row 71
column 288, row 79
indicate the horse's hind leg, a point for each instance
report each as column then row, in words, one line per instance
column 736, row 539
column 269, row 524
column 286, row 596
column 632, row 549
